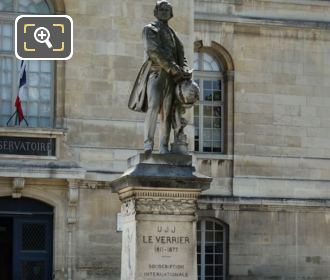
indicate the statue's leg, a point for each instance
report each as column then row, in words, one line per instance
column 166, row 114
column 154, row 100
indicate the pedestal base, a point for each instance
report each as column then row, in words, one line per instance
column 159, row 195
column 159, row 247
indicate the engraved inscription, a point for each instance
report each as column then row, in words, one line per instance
column 166, row 239
column 168, row 245
column 27, row 146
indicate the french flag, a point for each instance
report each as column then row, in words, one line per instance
column 22, row 83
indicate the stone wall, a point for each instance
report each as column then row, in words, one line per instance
column 86, row 243
column 54, row 193
column 274, row 239
column 280, row 50
column 271, row 188
column 277, row 210
column 98, row 244
column 108, row 53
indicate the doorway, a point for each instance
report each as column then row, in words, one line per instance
column 26, row 239
column 6, row 244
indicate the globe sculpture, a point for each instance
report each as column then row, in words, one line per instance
column 187, row 93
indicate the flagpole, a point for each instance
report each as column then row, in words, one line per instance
column 11, row 118
column 19, row 115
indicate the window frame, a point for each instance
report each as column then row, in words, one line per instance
column 15, row 8
column 218, row 75
column 9, row 17
column 201, row 244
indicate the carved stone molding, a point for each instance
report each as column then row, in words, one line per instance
column 159, row 193
column 73, row 197
column 166, row 206
column 163, row 201
column 93, row 184
column 128, row 207
column 18, row 186
column 230, row 75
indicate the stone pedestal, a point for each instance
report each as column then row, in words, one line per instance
column 159, row 196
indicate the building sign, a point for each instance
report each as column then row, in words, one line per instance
column 32, row 146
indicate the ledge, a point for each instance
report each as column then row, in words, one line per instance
column 41, row 169
column 33, row 131
column 200, row 155
column 161, row 171
column 260, row 20
column 236, row 203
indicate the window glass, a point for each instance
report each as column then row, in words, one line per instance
column 211, row 250
column 25, row 6
column 209, row 63
column 209, row 112
column 38, row 98
column 6, row 80
column 33, row 6
column 196, row 61
column 6, row 5
column 37, row 95
column 6, row 36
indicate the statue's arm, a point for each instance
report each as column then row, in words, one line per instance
column 185, row 64
column 155, row 50
column 183, row 59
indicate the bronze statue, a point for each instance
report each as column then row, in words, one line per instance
column 154, row 88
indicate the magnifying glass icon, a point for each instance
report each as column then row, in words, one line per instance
column 41, row 35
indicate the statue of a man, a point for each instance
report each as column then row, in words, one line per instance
column 165, row 65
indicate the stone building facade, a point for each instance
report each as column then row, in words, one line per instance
column 266, row 215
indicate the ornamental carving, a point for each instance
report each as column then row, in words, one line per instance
column 128, row 207
column 169, row 202
column 18, row 186
column 73, row 198
column 165, row 206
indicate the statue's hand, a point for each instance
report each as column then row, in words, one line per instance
column 175, row 70
column 187, row 75
column 183, row 75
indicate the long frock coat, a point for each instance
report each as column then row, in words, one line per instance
column 154, row 43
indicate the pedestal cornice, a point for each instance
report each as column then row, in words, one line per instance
column 161, row 171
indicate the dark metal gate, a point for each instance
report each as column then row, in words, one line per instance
column 26, row 226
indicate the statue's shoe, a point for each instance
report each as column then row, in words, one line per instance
column 148, row 152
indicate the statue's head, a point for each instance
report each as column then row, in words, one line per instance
column 163, row 10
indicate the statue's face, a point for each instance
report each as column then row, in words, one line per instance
column 164, row 12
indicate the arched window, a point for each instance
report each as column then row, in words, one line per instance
column 212, row 241
column 209, row 111
column 38, row 96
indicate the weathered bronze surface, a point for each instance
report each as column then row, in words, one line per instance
column 154, row 88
